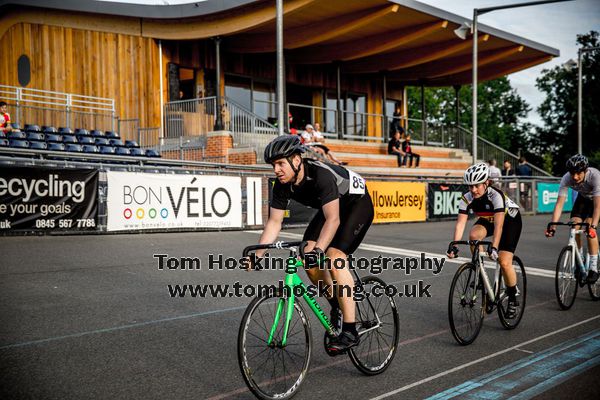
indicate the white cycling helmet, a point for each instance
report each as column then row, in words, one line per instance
column 478, row 173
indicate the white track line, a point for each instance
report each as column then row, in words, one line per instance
column 431, row 378
column 412, row 253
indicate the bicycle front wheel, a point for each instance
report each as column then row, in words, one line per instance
column 273, row 371
column 594, row 290
column 521, row 296
column 466, row 305
column 378, row 327
column 565, row 282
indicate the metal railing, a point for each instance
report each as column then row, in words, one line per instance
column 487, row 150
column 195, row 117
column 58, row 109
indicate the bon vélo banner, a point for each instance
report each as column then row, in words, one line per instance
column 34, row 198
column 138, row 201
column 443, row 199
column 397, row 201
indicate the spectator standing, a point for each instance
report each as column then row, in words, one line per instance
column 5, row 125
column 507, row 170
column 524, row 169
column 395, row 125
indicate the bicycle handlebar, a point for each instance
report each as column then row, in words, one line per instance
column 472, row 243
column 276, row 245
column 583, row 224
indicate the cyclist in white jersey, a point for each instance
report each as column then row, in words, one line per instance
column 499, row 217
column 586, row 182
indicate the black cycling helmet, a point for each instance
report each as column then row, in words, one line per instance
column 283, row 147
column 577, row 163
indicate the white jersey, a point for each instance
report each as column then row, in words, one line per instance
column 588, row 188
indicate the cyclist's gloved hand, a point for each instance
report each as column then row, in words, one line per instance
column 493, row 253
column 253, row 262
column 314, row 258
column 591, row 232
column 550, row 232
column 452, row 252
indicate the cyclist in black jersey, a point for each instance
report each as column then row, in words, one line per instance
column 499, row 217
column 345, row 214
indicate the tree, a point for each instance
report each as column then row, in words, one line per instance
column 500, row 111
column 558, row 136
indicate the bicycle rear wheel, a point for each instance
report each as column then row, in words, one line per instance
column 273, row 371
column 378, row 345
column 521, row 296
column 566, row 280
column 466, row 305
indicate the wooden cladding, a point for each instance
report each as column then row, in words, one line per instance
column 112, row 65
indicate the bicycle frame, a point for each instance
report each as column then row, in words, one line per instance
column 581, row 263
column 478, row 261
column 293, row 281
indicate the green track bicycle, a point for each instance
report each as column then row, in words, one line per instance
column 275, row 340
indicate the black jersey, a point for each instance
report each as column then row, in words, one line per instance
column 493, row 201
column 322, row 183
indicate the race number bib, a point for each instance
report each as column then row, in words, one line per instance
column 357, row 183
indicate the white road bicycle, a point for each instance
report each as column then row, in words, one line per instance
column 572, row 268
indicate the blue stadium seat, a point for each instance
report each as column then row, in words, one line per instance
column 18, row 143
column 136, row 151
column 116, row 142
column 2, row 135
column 35, row 136
column 102, row 141
column 90, row 148
column 50, row 129
column 69, row 139
column 16, row 135
column 34, row 144
column 97, row 133
column 52, row 137
column 123, row 151
column 65, row 131
column 131, row 143
column 107, row 150
column 86, row 140
column 3, row 142
column 15, row 125
column 32, row 128
column 81, row 132
column 111, row 135
column 73, row 147
column 152, row 153
column 56, row 146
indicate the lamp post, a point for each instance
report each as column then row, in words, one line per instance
column 462, row 33
column 579, row 97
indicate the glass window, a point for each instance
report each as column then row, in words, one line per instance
column 238, row 89
column 264, row 100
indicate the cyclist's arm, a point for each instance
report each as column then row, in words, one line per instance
column 596, row 214
column 498, row 224
column 272, row 228
column 560, row 202
column 459, row 229
column 331, row 211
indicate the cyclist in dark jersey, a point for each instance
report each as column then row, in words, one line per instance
column 586, row 182
column 345, row 214
column 499, row 217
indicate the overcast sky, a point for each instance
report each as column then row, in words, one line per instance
column 555, row 25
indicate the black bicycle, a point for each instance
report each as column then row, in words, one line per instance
column 472, row 295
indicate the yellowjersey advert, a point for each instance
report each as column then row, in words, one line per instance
column 398, row 201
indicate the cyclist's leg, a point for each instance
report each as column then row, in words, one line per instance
column 511, row 233
column 311, row 235
column 480, row 230
column 592, row 242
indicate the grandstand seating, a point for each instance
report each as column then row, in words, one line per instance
column 78, row 141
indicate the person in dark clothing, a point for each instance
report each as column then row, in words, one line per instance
column 507, row 170
column 524, row 169
column 395, row 125
column 408, row 153
column 395, row 147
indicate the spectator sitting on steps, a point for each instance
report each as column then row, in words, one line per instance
column 395, row 147
column 315, row 141
column 408, row 153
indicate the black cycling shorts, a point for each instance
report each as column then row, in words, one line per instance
column 355, row 221
column 511, row 231
column 583, row 208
